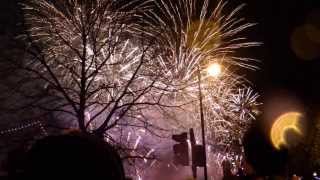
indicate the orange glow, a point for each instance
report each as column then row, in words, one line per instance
column 290, row 120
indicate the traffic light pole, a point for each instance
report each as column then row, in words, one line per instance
column 202, row 125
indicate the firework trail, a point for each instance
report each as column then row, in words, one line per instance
column 142, row 58
column 189, row 37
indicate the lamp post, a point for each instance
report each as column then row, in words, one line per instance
column 213, row 70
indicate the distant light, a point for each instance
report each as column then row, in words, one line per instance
column 214, row 70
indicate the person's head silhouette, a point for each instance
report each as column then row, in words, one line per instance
column 73, row 155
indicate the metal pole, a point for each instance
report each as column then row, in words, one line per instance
column 202, row 126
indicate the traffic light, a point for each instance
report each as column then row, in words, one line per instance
column 197, row 156
column 181, row 151
column 197, row 151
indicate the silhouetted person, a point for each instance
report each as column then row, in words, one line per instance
column 73, row 155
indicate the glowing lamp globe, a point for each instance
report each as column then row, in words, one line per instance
column 214, row 70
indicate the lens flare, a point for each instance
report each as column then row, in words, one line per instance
column 287, row 121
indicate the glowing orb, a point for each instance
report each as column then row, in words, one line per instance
column 214, row 70
column 287, row 121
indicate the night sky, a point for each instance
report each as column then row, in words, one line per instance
column 281, row 67
column 289, row 67
column 289, row 76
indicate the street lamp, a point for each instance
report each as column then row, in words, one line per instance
column 213, row 70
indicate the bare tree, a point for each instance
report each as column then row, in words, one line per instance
column 80, row 65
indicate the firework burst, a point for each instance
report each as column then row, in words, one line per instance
column 192, row 36
column 117, row 67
